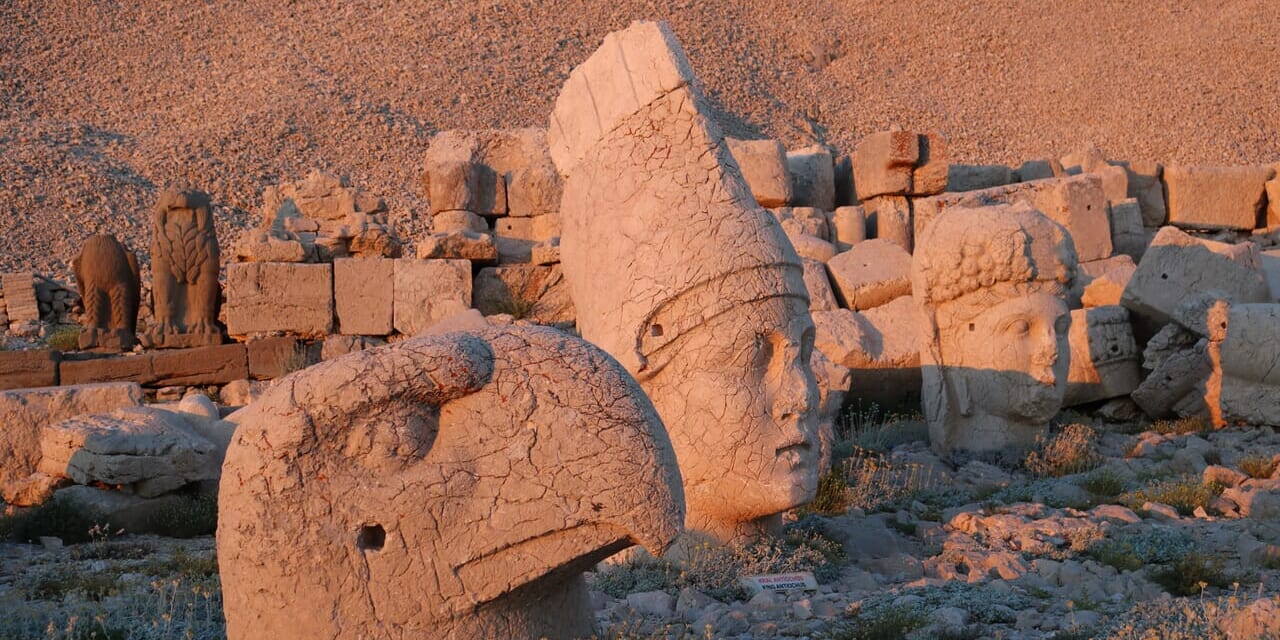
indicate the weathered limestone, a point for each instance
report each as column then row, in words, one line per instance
column 899, row 163
column 130, row 368
column 1106, row 285
column 972, row 177
column 804, row 220
column 202, row 365
column 20, row 297
column 677, row 273
column 1128, row 236
column 1270, row 262
column 1216, row 197
column 1146, row 186
column 362, row 295
column 764, row 167
column 107, row 277
column 525, row 292
column 812, row 178
column 425, row 291
column 1176, row 265
column 833, row 383
column 263, row 297
column 24, row 412
column 479, row 248
column 1244, row 348
column 1104, row 356
column 890, row 218
column 446, row 221
column 424, row 490
column 1075, row 202
column 872, row 273
column 880, row 347
column 534, row 190
column 25, row 369
column 1273, row 202
column 1176, row 385
column 816, row 282
column 152, row 451
column 848, row 227
column 274, row 357
column 184, row 272
column 992, row 285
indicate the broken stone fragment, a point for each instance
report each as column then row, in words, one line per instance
column 870, row 274
column 1216, row 197
column 1104, row 356
column 764, row 167
column 812, row 178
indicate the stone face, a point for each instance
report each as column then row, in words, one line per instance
column 266, row 296
column 1075, row 202
column 1216, row 197
column 151, row 450
column 1244, row 349
column 526, row 292
column 675, row 271
column 1176, row 265
column 848, row 227
column 184, row 272
column 107, row 277
column 201, row 365
column 24, row 412
column 992, row 285
column 25, row 369
column 362, row 295
column 812, row 178
column 429, row 290
column 818, row 285
column 497, row 555
column 971, row 177
column 870, row 274
column 1104, row 356
column 764, row 167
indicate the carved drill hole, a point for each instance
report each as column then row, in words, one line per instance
column 656, row 331
column 972, row 326
column 1115, row 348
column 1164, row 276
column 371, row 538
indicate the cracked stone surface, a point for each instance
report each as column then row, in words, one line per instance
column 447, row 486
column 678, row 273
column 992, row 284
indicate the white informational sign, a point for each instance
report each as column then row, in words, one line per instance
column 781, row 582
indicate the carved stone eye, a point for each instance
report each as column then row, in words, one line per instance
column 1019, row 327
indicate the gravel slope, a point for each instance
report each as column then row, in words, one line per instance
column 104, row 102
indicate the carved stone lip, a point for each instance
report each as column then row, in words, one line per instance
column 800, row 444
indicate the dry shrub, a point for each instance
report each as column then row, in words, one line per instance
column 1256, row 466
column 876, row 480
column 1071, row 450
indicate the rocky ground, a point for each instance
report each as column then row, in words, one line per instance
column 104, row 103
column 1110, row 531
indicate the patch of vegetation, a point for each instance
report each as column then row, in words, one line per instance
column 64, row 337
column 1192, row 574
column 193, row 515
column 57, row 584
column 667, row 632
column 833, row 496
column 1158, row 545
column 1182, row 426
column 889, row 623
column 1183, row 494
column 1258, row 466
column 183, row 565
column 1104, row 483
column 716, row 570
column 57, row 518
column 1071, row 450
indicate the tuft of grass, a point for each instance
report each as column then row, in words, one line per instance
column 58, row 584
column 1103, row 483
column 893, row 623
column 64, row 337
column 1130, row 552
column 1192, row 574
column 1258, row 466
column 1182, row 426
column 1183, row 494
column 1071, row 450
column 833, row 496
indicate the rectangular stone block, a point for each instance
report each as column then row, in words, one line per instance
column 813, row 182
column 25, row 412
column 1177, row 265
column 26, row 369
column 263, row 297
column 426, row 291
column 526, row 292
column 274, row 357
column 362, row 295
column 134, row 368
column 972, row 177
column 20, row 297
column 1104, row 356
column 764, row 166
column 202, row 365
column 883, row 162
column 1216, row 197
column 1128, row 236
column 534, row 190
column 1146, row 186
column 1075, row 202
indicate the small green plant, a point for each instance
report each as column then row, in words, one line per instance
column 1183, row 494
column 1130, row 552
column 833, row 496
column 55, row 585
column 63, row 337
column 892, row 623
column 1257, row 466
column 188, row 517
column 1104, row 483
column 1192, row 574
column 518, row 306
column 1070, row 451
